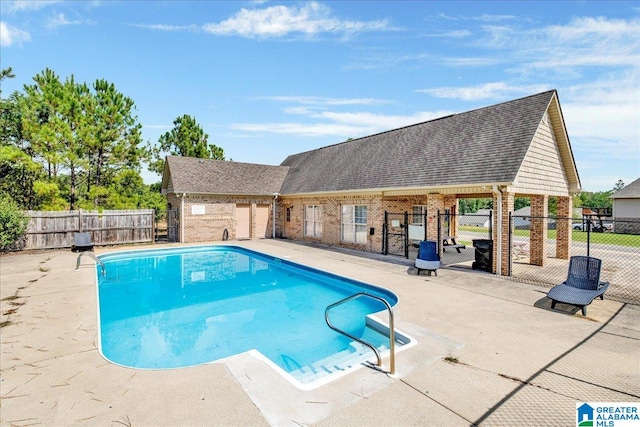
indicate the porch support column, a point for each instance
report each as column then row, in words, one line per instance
column 451, row 202
column 508, row 200
column 563, row 227
column 435, row 203
column 538, row 237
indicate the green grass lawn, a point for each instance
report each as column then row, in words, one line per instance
column 578, row 236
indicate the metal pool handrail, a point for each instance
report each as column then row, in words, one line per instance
column 392, row 360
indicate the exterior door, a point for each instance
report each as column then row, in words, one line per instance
column 287, row 221
column 243, row 221
column 262, row 221
column 172, row 225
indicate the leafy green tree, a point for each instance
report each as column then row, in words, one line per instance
column 13, row 223
column 114, row 140
column 42, row 122
column 470, row 206
column 83, row 136
column 521, row 202
column 6, row 73
column 49, row 196
column 18, row 173
column 619, row 186
column 186, row 139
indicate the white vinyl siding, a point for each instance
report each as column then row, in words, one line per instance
column 354, row 224
column 313, row 221
column 542, row 170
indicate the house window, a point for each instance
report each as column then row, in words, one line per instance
column 354, row 224
column 313, row 221
column 288, row 214
column 417, row 217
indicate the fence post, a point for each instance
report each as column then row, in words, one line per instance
column 406, row 234
column 588, row 237
column 510, row 240
column 385, row 240
column 491, row 225
column 80, row 220
column 425, row 223
column 439, row 232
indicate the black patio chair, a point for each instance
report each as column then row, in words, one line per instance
column 83, row 245
column 582, row 286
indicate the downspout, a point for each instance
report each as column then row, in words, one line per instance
column 182, row 218
column 273, row 215
column 498, row 211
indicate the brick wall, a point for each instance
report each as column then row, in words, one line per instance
column 563, row 227
column 207, row 217
column 508, row 201
column 331, row 211
column 538, row 234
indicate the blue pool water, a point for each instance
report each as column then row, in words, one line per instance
column 181, row 307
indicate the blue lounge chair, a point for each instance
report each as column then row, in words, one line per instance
column 428, row 258
column 582, row 286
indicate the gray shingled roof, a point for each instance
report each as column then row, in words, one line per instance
column 192, row 175
column 481, row 146
column 631, row 191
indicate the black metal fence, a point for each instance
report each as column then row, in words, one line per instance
column 401, row 232
column 615, row 242
column 619, row 252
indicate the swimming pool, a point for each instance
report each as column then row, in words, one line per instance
column 172, row 308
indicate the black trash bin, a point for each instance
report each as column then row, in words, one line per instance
column 484, row 255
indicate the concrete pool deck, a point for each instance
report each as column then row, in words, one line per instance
column 490, row 352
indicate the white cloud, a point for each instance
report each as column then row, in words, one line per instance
column 385, row 60
column 455, row 34
column 301, row 129
column 278, row 21
column 321, row 100
column 485, row 17
column 494, row 91
column 298, row 110
column 603, row 115
column 341, row 125
column 26, row 5
column 379, row 122
column 470, row 61
column 59, row 20
column 164, row 27
column 583, row 42
column 10, row 35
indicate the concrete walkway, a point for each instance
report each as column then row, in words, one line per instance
column 490, row 352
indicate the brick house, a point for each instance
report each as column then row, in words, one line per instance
column 338, row 194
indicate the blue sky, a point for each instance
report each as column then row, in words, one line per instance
column 269, row 79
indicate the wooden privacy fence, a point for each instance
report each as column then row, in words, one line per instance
column 56, row 229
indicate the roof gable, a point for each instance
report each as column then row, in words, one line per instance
column 486, row 145
column 207, row 176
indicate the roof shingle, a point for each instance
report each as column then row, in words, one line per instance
column 480, row 146
column 207, row 176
